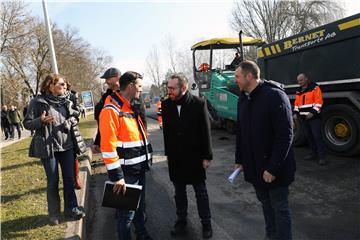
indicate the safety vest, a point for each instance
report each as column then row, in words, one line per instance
column 124, row 140
column 204, row 67
column 158, row 108
column 309, row 100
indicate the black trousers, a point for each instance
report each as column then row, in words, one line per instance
column 312, row 129
column 202, row 201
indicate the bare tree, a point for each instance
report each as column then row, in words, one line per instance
column 13, row 22
column 170, row 45
column 276, row 19
column 25, row 55
column 153, row 66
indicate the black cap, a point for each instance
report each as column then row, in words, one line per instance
column 111, row 72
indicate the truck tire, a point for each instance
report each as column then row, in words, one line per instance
column 215, row 121
column 299, row 135
column 341, row 129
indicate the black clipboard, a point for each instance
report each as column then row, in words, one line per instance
column 128, row 201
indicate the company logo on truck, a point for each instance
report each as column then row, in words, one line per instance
column 316, row 37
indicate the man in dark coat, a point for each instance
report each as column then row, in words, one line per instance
column 187, row 140
column 112, row 79
column 5, row 124
column 263, row 146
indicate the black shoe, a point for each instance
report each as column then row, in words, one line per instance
column 322, row 162
column 311, row 156
column 179, row 228
column 76, row 213
column 207, row 231
column 53, row 221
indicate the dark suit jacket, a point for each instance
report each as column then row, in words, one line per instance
column 187, row 138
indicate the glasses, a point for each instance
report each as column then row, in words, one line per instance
column 61, row 84
column 171, row 89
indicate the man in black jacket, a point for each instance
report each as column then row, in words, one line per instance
column 5, row 124
column 187, row 140
column 112, row 79
column 263, row 146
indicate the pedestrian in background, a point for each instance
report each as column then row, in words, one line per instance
column 126, row 150
column 263, row 146
column 15, row 121
column 24, row 114
column 158, row 112
column 187, row 141
column 5, row 124
column 307, row 108
column 51, row 115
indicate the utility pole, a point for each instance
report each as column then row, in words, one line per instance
column 50, row 40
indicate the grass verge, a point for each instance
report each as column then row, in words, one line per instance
column 23, row 192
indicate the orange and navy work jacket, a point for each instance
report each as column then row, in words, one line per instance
column 308, row 101
column 158, row 108
column 124, row 141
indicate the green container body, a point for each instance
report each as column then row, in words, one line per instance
column 223, row 94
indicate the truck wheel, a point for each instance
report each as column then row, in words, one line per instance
column 230, row 126
column 299, row 136
column 341, row 129
column 215, row 121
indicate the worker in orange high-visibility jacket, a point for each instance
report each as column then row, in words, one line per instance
column 126, row 150
column 307, row 108
column 158, row 112
column 204, row 67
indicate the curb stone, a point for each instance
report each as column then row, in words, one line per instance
column 77, row 229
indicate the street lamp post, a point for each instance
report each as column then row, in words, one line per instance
column 50, row 40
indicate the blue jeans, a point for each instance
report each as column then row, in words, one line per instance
column 312, row 130
column 66, row 160
column 125, row 217
column 276, row 212
column 202, row 201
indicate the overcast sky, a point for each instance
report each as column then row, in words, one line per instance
column 126, row 30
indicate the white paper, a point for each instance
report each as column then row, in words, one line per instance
column 234, row 174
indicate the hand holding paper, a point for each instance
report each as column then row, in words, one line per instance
column 234, row 174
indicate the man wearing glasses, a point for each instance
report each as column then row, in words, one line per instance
column 187, row 140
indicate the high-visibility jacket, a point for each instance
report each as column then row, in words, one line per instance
column 158, row 108
column 204, row 67
column 158, row 112
column 124, row 141
column 308, row 100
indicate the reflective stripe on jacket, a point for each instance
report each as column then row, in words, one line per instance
column 124, row 142
column 309, row 100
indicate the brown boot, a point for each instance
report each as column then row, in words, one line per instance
column 77, row 184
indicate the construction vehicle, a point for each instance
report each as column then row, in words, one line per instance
column 330, row 56
column 216, row 80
